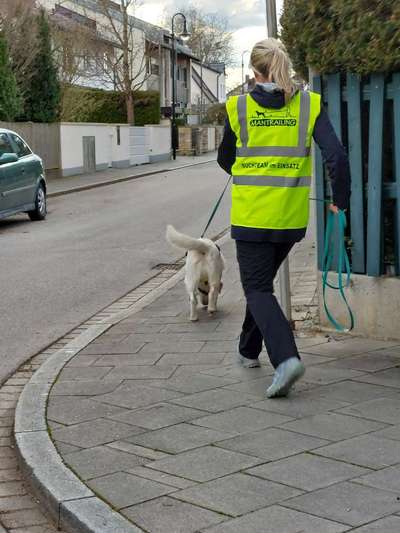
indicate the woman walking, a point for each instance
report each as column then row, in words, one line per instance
column 267, row 149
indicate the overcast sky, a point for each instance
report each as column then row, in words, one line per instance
column 246, row 19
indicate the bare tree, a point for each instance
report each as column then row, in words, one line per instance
column 125, row 66
column 210, row 38
column 17, row 21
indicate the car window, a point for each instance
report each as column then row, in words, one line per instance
column 22, row 148
column 5, row 146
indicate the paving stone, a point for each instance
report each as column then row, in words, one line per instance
column 348, row 503
column 190, row 358
column 382, row 409
column 351, row 392
column 72, row 410
column 111, row 338
column 111, row 348
column 215, row 400
column 347, row 347
column 272, row 444
column 311, row 359
column 237, row 372
column 386, row 479
column 179, row 438
column 23, row 518
column 332, row 426
column 390, row 524
column 189, row 327
column 121, row 359
column 386, row 378
column 256, row 387
column 220, row 346
column 159, row 416
column 323, row 375
column 63, row 448
column 84, row 373
column 82, row 361
column 12, row 474
column 202, row 335
column 278, row 519
column 16, row 503
column 241, row 420
column 122, row 489
column 101, row 460
column 12, row 488
column 172, row 347
column 307, row 472
column 392, row 432
column 366, row 450
column 142, row 372
column 166, row 515
column 191, row 384
column 299, row 405
column 132, row 395
column 161, row 477
column 140, row 451
column 366, row 362
column 94, row 432
column 236, row 494
column 204, row 464
column 34, row 529
column 83, row 388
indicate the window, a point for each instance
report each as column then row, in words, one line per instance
column 5, row 146
column 21, row 148
column 155, row 69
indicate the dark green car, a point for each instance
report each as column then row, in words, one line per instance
column 22, row 179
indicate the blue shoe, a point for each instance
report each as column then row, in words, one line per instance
column 245, row 362
column 285, row 377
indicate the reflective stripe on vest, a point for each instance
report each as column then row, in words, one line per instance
column 301, row 150
column 272, row 181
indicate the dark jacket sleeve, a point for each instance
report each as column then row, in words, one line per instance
column 335, row 158
column 227, row 149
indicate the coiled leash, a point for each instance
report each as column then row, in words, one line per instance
column 343, row 264
column 216, row 207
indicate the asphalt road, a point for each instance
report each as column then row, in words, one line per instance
column 93, row 248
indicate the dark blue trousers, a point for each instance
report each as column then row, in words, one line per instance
column 258, row 264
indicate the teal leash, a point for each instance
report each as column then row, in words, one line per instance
column 216, row 207
column 343, row 263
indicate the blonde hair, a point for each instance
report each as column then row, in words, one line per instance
column 270, row 59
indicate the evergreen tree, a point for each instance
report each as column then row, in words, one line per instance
column 10, row 103
column 42, row 93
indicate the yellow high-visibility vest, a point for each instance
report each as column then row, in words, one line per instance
column 272, row 170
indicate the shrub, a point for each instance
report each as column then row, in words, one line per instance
column 95, row 105
column 10, row 103
column 360, row 36
column 216, row 114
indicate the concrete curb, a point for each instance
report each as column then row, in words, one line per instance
column 72, row 505
column 105, row 183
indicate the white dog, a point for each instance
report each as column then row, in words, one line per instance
column 204, row 266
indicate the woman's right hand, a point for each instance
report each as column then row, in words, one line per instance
column 334, row 208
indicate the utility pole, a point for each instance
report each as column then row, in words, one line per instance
column 272, row 23
column 284, row 273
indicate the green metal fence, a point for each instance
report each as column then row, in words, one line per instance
column 366, row 115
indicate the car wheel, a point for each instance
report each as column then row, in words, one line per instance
column 40, row 211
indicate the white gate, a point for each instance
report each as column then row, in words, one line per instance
column 139, row 149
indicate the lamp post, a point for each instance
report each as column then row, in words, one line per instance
column 184, row 36
column 244, row 52
column 272, row 24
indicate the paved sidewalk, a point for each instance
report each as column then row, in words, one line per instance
column 157, row 419
column 59, row 186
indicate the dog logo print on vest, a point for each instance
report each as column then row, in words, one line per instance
column 273, row 117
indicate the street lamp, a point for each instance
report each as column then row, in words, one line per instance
column 245, row 52
column 185, row 35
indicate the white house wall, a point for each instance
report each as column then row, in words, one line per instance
column 214, row 81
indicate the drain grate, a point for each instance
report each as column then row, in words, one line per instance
column 169, row 266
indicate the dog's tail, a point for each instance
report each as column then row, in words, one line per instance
column 184, row 241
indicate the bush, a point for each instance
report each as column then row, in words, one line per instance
column 10, row 102
column 95, row 105
column 360, row 36
column 216, row 114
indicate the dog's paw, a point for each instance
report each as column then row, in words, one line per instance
column 194, row 318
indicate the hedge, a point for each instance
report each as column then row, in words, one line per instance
column 360, row 36
column 95, row 105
